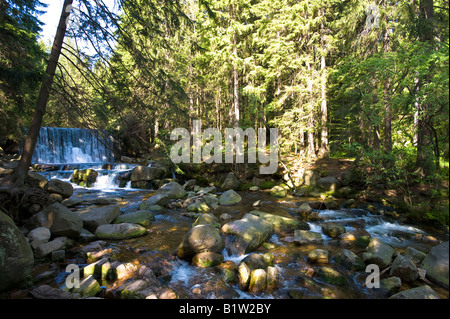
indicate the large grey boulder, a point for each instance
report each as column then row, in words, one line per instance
column 144, row 173
column 141, row 217
column 378, row 253
column 16, row 255
column 282, row 225
column 158, row 199
column 307, row 237
column 173, row 190
column 230, row 182
column 45, row 249
column 436, row 264
column 94, row 217
column 60, row 220
column 422, row 292
column 229, row 198
column 199, row 239
column 404, row 268
column 120, row 231
column 247, row 234
column 62, row 188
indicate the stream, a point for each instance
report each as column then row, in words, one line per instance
column 296, row 279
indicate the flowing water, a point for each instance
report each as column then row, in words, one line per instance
column 296, row 274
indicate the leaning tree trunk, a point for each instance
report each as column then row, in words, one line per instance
column 44, row 93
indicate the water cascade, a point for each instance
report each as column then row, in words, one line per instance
column 72, row 146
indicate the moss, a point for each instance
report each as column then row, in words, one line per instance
column 245, row 186
column 267, row 184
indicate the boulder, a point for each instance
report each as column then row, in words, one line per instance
column 89, row 287
column 390, row 285
column 278, row 191
column 141, row 217
column 258, row 281
column 272, row 278
column 198, row 206
column 350, row 260
column 331, row 276
column 247, row 234
column 201, row 238
column 230, row 182
column 120, row 231
column 38, row 179
column 60, row 220
column 416, row 255
column 282, row 225
column 404, row 268
column 422, row 292
column 328, row 183
column 189, row 185
column 255, row 261
column 332, row 229
column 206, row 219
column 94, row 217
column 64, row 189
column 173, row 190
column 230, row 197
column 307, row 237
column 207, row 259
column 39, row 234
column 46, row 249
column 378, row 253
column 305, row 209
column 158, row 199
column 144, row 173
column 16, row 255
column 47, row 292
column 244, row 273
column 436, row 264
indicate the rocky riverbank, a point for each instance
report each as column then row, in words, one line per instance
column 189, row 241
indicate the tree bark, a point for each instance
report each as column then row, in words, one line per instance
column 324, row 149
column 44, row 93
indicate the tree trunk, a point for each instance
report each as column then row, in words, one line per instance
column 324, row 149
column 424, row 159
column 44, row 93
column 236, row 114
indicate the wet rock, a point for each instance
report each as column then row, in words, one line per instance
column 350, row 260
column 253, row 189
column 258, row 281
column 255, row 261
column 247, row 234
column 48, row 292
column 120, row 231
column 416, row 255
column 306, row 237
column 436, row 265
column 201, row 238
column 141, row 217
column 86, row 236
column 282, row 225
column 89, row 287
column 422, row 292
column 126, row 271
column 206, row 219
column 257, row 203
column 60, row 220
column 16, row 256
column 332, row 229
column 347, row 239
column 97, row 216
column 144, row 173
column 38, row 179
column 198, row 206
column 64, row 189
column 207, row 259
column 94, row 269
column 272, row 278
column 331, row 276
column 404, row 268
column 278, row 191
column 86, row 177
column 244, row 273
column 229, row 198
column 46, row 249
column 189, row 185
column 225, row 216
column 230, row 182
column 390, row 285
column 378, row 253
column 228, row 271
column 269, row 259
column 319, row 256
column 58, row 255
column 173, row 190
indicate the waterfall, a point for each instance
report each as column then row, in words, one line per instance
column 72, row 146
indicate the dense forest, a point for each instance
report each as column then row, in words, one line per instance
column 357, row 91
column 340, row 79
